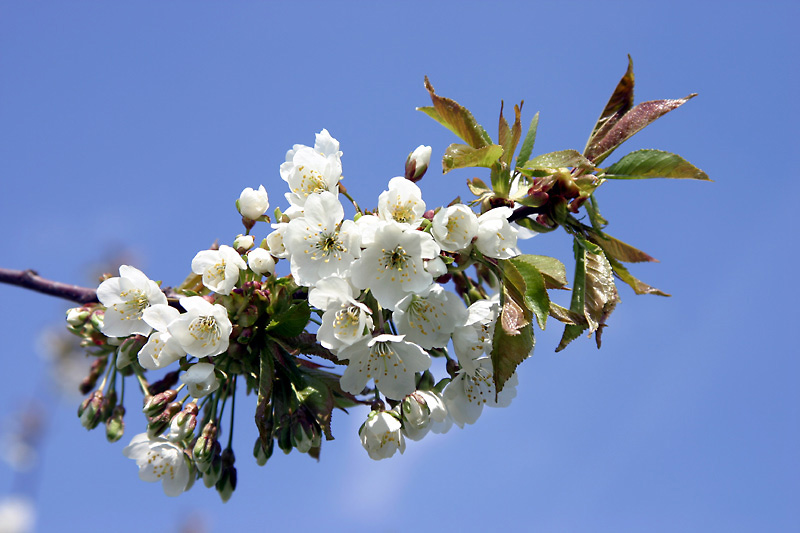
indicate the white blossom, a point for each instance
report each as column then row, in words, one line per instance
column 253, row 203
column 219, row 268
column 422, row 412
column 330, row 293
column 261, row 262
column 381, row 435
column 204, row 329
column 402, row 203
column 393, row 266
column 388, row 360
column 312, row 170
column 162, row 348
column 317, row 246
column 436, row 267
column 454, row 227
column 125, row 298
column 275, row 240
column 242, row 243
column 496, row 236
column 160, row 460
column 429, row 317
column 200, row 379
column 344, row 326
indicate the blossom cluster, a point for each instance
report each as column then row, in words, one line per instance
column 377, row 284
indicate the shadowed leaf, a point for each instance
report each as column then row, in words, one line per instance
column 529, row 288
column 620, row 102
column 644, row 164
column 263, row 415
column 601, row 293
column 509, row 137
column 456, row 118
column 639, row 287
column 619, row 250
column 632, row 122
column 527, row 144
column 461, row 156
column 508, row 351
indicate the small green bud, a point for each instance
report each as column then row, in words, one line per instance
column 261, row 454
column 159, row 424
column 115, row 424
column 155, row 405
column 91, row 410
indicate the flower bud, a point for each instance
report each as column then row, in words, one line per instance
column 305, row 435
column 91, row 410
column 242, row 243
column 182, row 426
column 96, row 369
column 261, row 262
column 213, row 471
column 115, row 424
column 159, row 424
column 253, row 203
column 262, row 454
column 155, row 405
column 77, row 316
column 417, row 163
column 206, row 447
column 227, row 481
column 129, row 350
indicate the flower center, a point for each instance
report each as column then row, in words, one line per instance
column 395, row 259
column 403, row 212
column 311, row 181
column 328, row 245
column 346, row 322
column 205, row 328
column 135, row 302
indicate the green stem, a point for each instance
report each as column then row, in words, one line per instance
column 233, row 412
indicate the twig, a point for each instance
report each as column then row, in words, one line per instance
column 29, row 279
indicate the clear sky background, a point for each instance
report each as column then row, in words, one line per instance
column 136, row 127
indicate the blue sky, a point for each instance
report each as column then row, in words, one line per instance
column 136, row 127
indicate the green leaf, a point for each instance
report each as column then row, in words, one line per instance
column 263, row 414
column 594, row 293
column 508, row 351
column 527, row 144
column 631, row 123
column 291, row 322
column 643, row 164
column 457, row 119
column 522, row 274
column 551, row 269
column 639, row 287
column 620, row 102
column 461, row 156
column 573, row 331
column 619, row 250
column 560, row 159
column 509, row 137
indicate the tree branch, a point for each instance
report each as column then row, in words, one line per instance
column 29, row 279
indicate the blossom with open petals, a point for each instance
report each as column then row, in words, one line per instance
column 393, row 265
column 312, row 170
column 200, row 379
column 160, row 460
column 381, row 435
column 204, row 329
column 423, row 411
column 402, row 203
column 125, row 298
column 388, row 360
column 454, row 227
column 220, row 268
column 162, row 348
column 429, row 317
column 496, row 236
column 318, row 246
